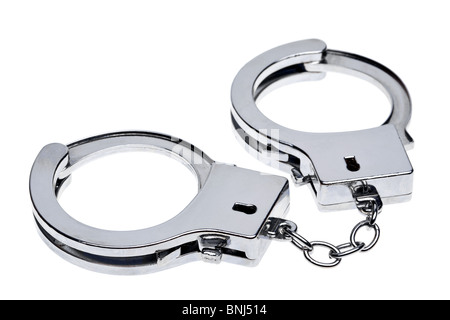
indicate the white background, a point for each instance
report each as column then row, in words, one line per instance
column 73, row 69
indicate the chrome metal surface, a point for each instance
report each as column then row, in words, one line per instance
column 349, row 246
column 282, row 229
column 331, row 163
column 334, row 261
column 298, row 240
column 275, row 228
column 211, row 228
column 355, row 230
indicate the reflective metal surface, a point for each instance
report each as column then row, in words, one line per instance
column 223, row 222
column 333, row 164
column 286, row 230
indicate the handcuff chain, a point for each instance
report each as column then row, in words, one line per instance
column 287, row 231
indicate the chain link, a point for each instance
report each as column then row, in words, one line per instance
column 297, row 240
column 286, row 230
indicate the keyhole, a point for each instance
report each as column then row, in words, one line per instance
column 244, row 208
column 352, row 164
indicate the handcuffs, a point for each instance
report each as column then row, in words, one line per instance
column 237, row 212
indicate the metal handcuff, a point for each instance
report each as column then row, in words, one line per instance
column 238, row 211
